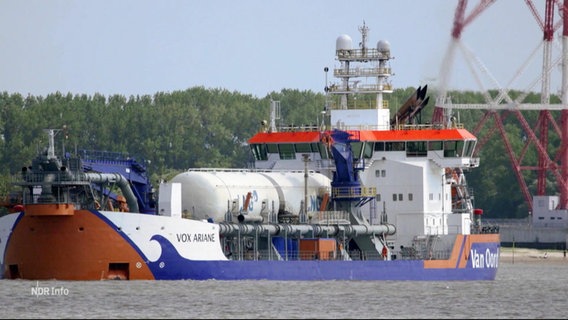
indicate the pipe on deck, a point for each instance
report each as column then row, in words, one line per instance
column 233, row 229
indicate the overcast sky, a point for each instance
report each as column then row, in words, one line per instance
column 137, row 47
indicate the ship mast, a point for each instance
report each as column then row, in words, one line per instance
column 362, row 71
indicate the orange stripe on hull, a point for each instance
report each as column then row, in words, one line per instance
column 52, row 209
column 460, row 251
column 77, row 247
column 452, row 261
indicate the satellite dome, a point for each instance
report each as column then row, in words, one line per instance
column 343, row 42
column 383, row 46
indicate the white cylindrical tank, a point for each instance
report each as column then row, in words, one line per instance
column 290, row 187
column 210, row 194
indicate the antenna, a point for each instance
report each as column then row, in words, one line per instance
column 274, row 114
column 364, row 32
column 326, row 105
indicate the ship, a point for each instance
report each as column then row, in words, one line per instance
column 359, row 195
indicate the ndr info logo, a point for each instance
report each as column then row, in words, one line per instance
column 49, row 291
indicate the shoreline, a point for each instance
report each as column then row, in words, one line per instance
column 511, row 255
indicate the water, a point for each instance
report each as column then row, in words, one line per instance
column 521, row 290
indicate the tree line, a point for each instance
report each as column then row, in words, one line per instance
column 201, row 127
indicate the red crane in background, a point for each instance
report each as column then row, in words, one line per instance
column 536, row 134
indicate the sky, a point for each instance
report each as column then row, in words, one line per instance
column 142, row 47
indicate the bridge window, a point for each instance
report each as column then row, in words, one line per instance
column 324, row 153
column 259, row 151
column 394, row 146
column 287, row 151
column 315, row 146
column 356, row 147
column 453, row 148
column 416, row 149
column 303, row 147
column 469, row 148
column 362, row 148
column 368, row 150
column 435, row 145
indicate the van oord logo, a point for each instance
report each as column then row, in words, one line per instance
column 487, row 259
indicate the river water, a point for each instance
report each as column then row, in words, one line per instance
column 521, row 290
